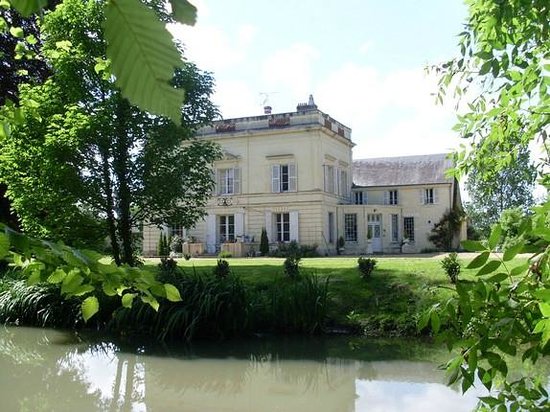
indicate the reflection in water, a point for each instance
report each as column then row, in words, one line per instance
column 43, row 370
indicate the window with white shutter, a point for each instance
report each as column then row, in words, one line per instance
column 283, row 178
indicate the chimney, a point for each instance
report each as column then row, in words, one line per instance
column 267, row 109
column 306, row 107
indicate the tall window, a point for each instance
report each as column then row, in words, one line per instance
column 282, row 226
column 350, row 227
column 329, row 179
column 408, row 228
column 330, row 227
column 343, row 183
column 228, row 181
column 178, row 230
column 392, row 197
column 394, row 228
column 358, row 198
column 283, row 178
column 429, row 196
column 227, row 228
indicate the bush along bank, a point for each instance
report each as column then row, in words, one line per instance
column 211, row 307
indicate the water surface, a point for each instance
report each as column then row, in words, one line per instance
column 46, row 370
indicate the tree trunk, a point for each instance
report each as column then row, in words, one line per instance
column 121, row 169
column 111, row 220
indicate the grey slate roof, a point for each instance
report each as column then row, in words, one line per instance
column 400, row 171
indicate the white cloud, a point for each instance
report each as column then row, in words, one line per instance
column 236, row 99
column 289, row 71
column 212, row 48
column 390, row 113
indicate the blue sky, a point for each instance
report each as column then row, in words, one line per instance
column 363, row 61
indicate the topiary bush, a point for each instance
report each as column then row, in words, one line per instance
column 264, row 243
column 221, row 270
column 292, row 266
column 451, row 265
column 366, row 266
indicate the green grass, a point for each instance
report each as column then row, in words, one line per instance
column 388, row 303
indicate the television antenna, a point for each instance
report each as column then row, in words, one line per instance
column 265, row 96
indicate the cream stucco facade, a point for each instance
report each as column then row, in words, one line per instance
column 291, row 174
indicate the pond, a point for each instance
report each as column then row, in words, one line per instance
column 47, row 370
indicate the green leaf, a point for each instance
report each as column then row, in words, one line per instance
column 543, row 294
column 28, row 7
column 128, row 299
column 499, row 277
column 108, row 289
column 83, row 290
column 4, row 245
column 71, row 282
column 519, row 269
column 89, row 307
column 151, row 301
column 473, row 246
column 184, row 12
column 172, row 293
column 143, row 57
column 511, row 252
column 435, row 321
column 489, row 268
column 57, row 276
column 494, row 238
column 485, row 67
column 17, row 32
column 478, row 261
column 544, row 309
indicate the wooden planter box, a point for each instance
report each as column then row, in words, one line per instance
column 193, row 249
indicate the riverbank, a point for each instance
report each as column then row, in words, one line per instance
column 387, row 304
column 256, row 296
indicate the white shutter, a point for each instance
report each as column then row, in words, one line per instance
column 236, row 180
column 211, row 233
column 436, row 195
column 422, row 196
column 276, row 178
column 325, row 177
column 386, row 197
column 269, row 226
column 294, row 226
column 335, row 178
column 218, row 186
column 292, row 178
column 239, row 225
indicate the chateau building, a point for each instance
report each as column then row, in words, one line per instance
column 293, row 174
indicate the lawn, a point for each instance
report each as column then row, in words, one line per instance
column 388, row 303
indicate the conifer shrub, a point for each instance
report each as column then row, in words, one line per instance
column 366, row 266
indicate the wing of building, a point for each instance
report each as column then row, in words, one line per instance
column 293, row 174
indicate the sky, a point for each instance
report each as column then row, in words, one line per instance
column 363, row 61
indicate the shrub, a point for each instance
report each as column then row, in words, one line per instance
column 292, row 266
column 264, row 243
column 451, row 265
column 340, row 245
column 293, row 249
column 291, row 305
column 212, row 307
column 224, row 254
column 187, row 256
column 168, row 265
column 37, row 305
column 366, row 266
column 444, row 231
column 176, row 244
column 221, row 270
column 163, row 247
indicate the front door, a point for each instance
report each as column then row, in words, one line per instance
column 374, row 232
